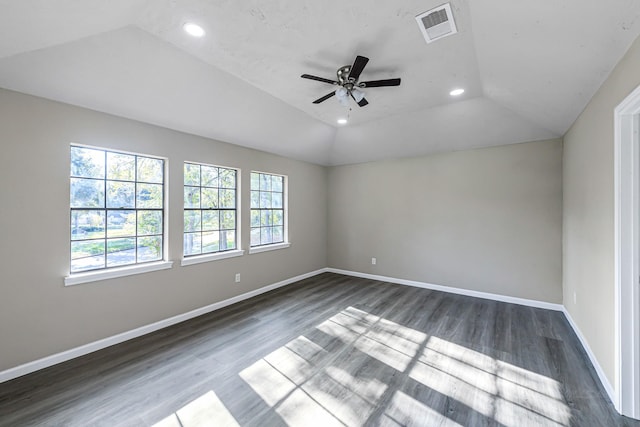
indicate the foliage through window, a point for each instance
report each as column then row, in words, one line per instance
column 210, row 219
column 267, row 209
column 117, row 209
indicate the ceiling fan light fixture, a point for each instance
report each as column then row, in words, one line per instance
column 456, row 92
column 358, row 95
column 343, row 96
column 192, row 29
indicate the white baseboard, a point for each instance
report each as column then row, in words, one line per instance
column 452, row 290
column 603, row 378
column 54, row 359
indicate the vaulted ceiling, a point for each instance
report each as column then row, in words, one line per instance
column 528, row 68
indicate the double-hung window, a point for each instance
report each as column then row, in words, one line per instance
column 268, row 209
column 210, row 209
column 117, row 209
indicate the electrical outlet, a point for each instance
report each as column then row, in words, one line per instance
column 237, row 277
column 373, row 261
column 574, row 297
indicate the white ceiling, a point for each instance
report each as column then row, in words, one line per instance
column 528, row 66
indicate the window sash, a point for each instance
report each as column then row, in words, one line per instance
column 110, row 250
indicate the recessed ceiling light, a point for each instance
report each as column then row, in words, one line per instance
column 193, row 29
column 342, row 121
column 456, row 92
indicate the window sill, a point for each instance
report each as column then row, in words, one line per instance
column 266, row 248
column 94, row 276
column 211, row 257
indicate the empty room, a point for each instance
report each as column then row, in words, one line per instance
column 297, row 213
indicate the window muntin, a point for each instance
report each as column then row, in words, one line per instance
column 210, row 209
column 267, row 209
column 117, row 209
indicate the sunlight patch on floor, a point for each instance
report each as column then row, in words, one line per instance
column 308, row 385
column 207, row 410
column 404, row 410
column 497, row 389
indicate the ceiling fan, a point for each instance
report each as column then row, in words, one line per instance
column 348, row 83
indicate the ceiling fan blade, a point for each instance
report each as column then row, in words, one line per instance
column 324, row 98
column 362, row 102
column 320, row 79
column 357, row 67
column 379, row 83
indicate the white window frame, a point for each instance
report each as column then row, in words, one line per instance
column 214, row 256
column 285, row 213
column 132, row 269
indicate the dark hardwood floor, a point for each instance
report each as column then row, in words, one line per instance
column 330, row 350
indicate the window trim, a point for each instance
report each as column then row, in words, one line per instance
column 113, row 272
column 269, row 247
column 79, row 277
column 212, row 256
column 285, row 220
column 229, row 253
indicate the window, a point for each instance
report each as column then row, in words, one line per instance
column 210, row 213
column 267, row 209
column 117, row 209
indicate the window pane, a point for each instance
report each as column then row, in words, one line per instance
column 210, row 220
column 209, row 198
column 87, row 255
column 191, row 221
column 149, row 222
column 227, row 198
column 255, row 199
column 149, row 196
column 265, row 236
column 121, row 252
column 265, row 200
column 277, row 217
column 276, row 183
column 228, row 220
column 121, row 194
column 255, row 181
column 121, row 223
column 276, row 200
column 278, row 235
column 87, row 163
column 265, row 218
column 227, row 240
column 116, row 209
column 227, row 178
column 191, row 174
column 255, row 218
column 209, row 176
column 87, row 193
column 87, row 225
column 255, row 236
column 210, row 242
column 192, row 243
column 121, row 166
column 265, row 182
column 150, row 170
column 191, row 197
column 149, row 248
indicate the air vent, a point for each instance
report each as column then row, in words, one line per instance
column 437, row 23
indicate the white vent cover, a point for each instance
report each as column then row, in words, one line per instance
column 437, row 23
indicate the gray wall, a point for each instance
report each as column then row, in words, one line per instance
column 38, row 315
column 588, row 212
column 487, row 220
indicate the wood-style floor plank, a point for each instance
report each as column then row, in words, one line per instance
column 330, row 350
